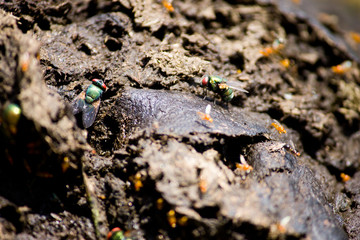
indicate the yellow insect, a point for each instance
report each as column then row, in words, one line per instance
column 171, row 218
column 136, row 180
column 65, row 164
column 160, row 203
column 168, row 5
column 183, row 220
column 278, row 127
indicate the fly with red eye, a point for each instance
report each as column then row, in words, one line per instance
column 220, row 86
column 88, row 102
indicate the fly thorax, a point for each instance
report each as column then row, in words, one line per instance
column 92, row 94
column 213, row 85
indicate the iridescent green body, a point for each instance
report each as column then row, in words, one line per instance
column 88, row 102
column 117, row 234
column 93, row 93
column 11, row 115
column 218, row 85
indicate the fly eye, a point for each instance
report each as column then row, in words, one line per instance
column 205, row 80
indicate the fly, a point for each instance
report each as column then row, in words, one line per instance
column 88, row 102
column 221, row 86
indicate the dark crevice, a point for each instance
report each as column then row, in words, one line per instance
column 85, row 48
column 336, row 172
column 238, row 60
column 208, row 212
column 160, row 33
column 310, row 143
column 114, row 27
column 275, row 113
column 252, row 231
column 349, row 127
column 113, row 44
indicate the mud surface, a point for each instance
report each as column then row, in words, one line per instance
column 153, row 164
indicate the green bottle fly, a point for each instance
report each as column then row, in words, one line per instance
column 221, row 86
column 88, row 102
column 117, row 234
column 10, row 118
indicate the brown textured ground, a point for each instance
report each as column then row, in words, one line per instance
column 149, row 154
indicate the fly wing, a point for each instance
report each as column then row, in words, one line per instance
column 89, row 113
column 78, row 104
column 208, row 109
column 236, row 86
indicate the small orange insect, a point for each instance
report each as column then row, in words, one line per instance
column 25, row 62
column 206, row 116
column 342, row 68
column 281, row 227
column 278, row 127
column 183, row 221
column 267, row 51
column 203, row 185
column 102, row 197
column 276, row 46
column 345, row 177
column 65, row 164
column 285, row 62
column 243, row 165
column 355, row 36
column 24, row 66
column 160, row 203
column 168, row 5
column 296, row 1
column 137, row 181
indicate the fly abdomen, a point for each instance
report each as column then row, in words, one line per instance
column 227, row 94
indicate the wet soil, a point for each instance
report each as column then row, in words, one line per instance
column 152, row 164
